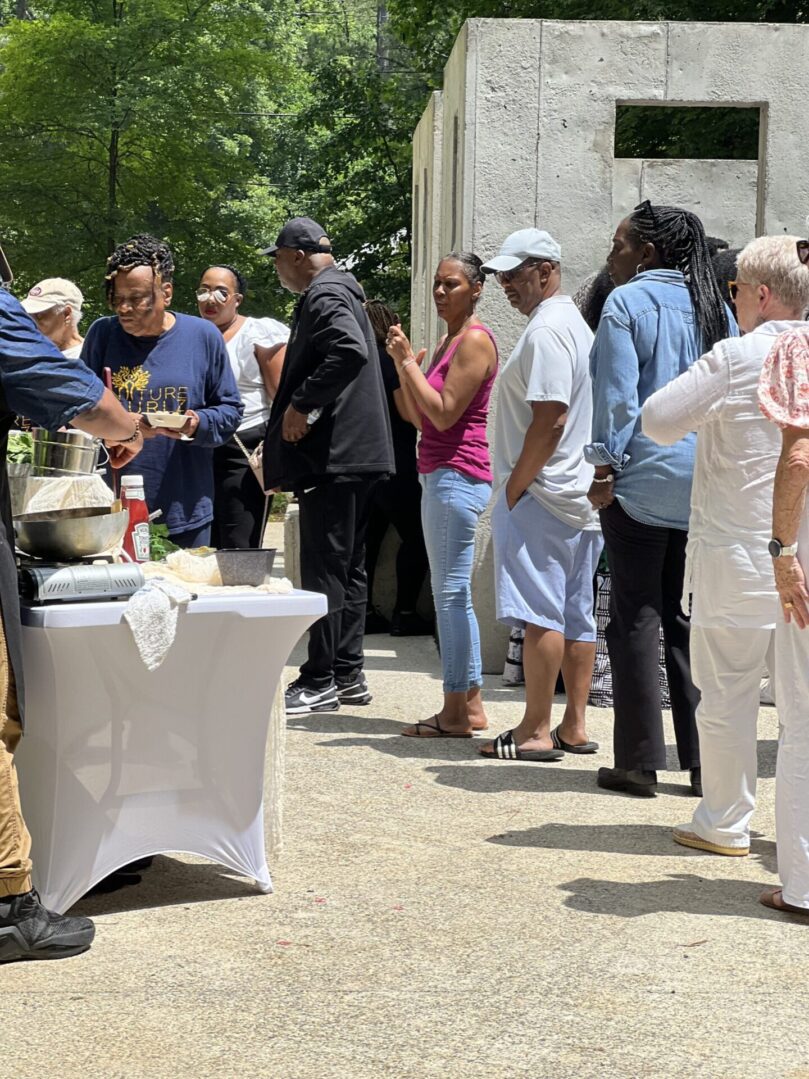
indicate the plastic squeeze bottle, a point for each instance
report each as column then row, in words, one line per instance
column 136, row 540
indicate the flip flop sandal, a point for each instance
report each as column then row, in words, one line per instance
column 767, row 899
column 504, row 748
column 437, row 731
column 585, row 747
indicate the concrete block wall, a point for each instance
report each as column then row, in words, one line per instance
column 527, row 120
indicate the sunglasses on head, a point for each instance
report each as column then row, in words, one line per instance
column 803, row 251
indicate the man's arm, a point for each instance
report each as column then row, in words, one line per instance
column 679, row 408
column 337, row 336
column 541, row 440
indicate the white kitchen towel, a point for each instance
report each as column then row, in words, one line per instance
column 152, row 616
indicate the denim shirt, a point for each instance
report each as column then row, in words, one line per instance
column 37, row 380
column 647, row 336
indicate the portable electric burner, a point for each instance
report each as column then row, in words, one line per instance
column 77, row 582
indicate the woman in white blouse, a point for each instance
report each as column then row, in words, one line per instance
column 256, row 348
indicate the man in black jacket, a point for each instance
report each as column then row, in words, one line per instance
column 329, row 441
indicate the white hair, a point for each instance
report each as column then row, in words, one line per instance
column 75, row 313
column 773, row 261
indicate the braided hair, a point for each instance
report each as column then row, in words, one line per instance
column 140, row 250
column 679, row 240
column 240, row 279
column 381, row 318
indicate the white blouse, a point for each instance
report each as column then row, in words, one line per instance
column 242, row 352
column 728, row 569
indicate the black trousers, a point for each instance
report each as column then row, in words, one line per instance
column 647, row 565
column 397, row 501
column 239, row 502
column 333, row 520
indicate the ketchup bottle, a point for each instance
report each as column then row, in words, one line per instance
column 136, row 540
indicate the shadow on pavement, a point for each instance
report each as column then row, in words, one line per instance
column 492, row 777
column 643, row 839
column 169, row 882
column 680, row 892
column 343, row 722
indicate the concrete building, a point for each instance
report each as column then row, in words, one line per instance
column 523, row 134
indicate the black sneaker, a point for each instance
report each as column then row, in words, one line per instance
column 354, row 691
column 300, row 699
column 30, row 931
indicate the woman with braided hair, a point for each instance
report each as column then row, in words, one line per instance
column 665, row 312
column 162, row 362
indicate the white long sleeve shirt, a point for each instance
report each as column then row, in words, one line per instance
column 729, row 570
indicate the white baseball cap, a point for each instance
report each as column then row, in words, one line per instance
column 522, row 245
column 53, row 292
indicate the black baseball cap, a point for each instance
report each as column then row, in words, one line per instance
column 301, row 234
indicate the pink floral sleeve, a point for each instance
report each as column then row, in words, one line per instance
column 783, row 388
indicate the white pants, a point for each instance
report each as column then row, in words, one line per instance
column 726, row 665
column 792, row 771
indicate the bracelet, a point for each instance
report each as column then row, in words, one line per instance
column 133, row 437
column 606, row 479
column 407, row 363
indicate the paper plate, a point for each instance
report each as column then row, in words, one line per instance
column 173, row 420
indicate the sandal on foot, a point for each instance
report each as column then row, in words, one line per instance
column 504, row 748
column 585, row 747
column 767, row 899
column 435, row 731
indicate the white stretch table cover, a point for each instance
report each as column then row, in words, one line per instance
column 118, row 763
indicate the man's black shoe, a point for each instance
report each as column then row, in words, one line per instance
column 641, row 784
column 300, row 700
column 30, row 931
column 696, row 782
column 354, row 691
column 375, row 621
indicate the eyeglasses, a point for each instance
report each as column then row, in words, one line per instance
column 502, row 277
column 803, row 251
column 215, row 295
column 733, row 289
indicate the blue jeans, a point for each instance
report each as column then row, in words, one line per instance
column 450, row 509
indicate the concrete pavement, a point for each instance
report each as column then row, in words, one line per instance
column 435, row 915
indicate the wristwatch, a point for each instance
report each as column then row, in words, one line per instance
column 778, row 550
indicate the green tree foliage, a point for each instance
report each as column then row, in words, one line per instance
column 124, row 116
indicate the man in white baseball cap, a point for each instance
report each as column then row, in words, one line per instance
column 55, row 306
column 546, row 536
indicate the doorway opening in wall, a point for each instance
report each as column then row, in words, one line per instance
column 687, row 131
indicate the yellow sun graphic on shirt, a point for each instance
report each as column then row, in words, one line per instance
column 128, row 379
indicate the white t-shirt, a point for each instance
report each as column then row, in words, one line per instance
column 550, row 362
column 241, row 350
column 72, row 353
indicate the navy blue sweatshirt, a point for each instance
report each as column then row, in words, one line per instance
column 185, row 367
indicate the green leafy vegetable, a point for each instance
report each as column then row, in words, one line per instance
column 161, row 543
column 20, row 448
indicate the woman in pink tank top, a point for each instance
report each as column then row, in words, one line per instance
column 449, row 404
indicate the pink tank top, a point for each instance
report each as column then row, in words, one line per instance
column 463, row 446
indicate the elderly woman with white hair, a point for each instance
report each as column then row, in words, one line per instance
column 55, row 306
column 784, row 398
column 734, row 606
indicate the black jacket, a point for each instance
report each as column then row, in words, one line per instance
column 331, row 364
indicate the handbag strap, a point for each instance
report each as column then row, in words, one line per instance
column 241, row 445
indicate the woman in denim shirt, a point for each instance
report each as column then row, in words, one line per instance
column 667, row 314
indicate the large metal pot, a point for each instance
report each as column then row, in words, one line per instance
column 63, row 536
column 64, row 453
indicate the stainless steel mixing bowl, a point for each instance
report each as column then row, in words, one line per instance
column 70, row 537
